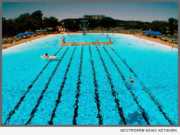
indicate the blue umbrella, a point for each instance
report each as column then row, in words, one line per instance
column 153, row 33
column 20, row 35
column 28, row 33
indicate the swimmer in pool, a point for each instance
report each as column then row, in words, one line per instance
column 46, row 55
column 130, row 83
column 49, row 57
column 131, row 80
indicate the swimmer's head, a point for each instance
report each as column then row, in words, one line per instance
column 132, row 81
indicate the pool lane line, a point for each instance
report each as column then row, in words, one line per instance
column 45, row 88
column 143, row 113
column 12, row 112
column 97, row 99
column 114, row 93
column 145, row 89
column 76, row 105
column 58, row 100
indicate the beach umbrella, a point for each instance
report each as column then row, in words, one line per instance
column 152, row 33
column 20, row 35
column 28, row 33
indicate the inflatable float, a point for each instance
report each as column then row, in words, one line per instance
column 49, row 57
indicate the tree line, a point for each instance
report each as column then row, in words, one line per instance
column 36, row 21
column 27, row 22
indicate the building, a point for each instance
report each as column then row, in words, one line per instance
column 94, row 17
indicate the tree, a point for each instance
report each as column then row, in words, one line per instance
column 23, row 23
column 36, row 19
column 50, row 22
column 8, row 27
column 173, row 25
column 160, row 26
column 71, row 24
column 107, row 22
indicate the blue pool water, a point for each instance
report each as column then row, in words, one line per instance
column 89, row 85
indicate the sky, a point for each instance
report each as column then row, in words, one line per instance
column 126, row 10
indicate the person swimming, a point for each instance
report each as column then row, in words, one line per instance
column 130, row 83
column 46, row 55
column 49, row 57
column 131, row 80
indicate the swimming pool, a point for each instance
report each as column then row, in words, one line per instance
column 89, row 85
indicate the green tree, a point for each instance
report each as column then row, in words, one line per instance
column 36, row 19
column 8, row 27
column 50, row 22
column 71, row 24
column 173, row 25
column 23, row 23
column 161, row 26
